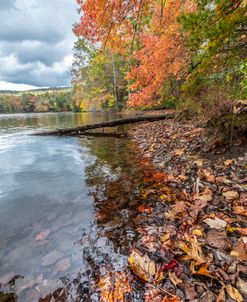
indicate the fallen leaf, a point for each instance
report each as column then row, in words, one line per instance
column 198, row 232
column 199, row 162
column 205, row 197
column 170, row 265
column 228, row 162
column 171, row 299
column 203, row 270
column 178, row 152
column 42, row 235
column 234, row 293
column 145, row 209
column 174, row 279
column 208, row 296
column 242, row 231
column 240, row 210
column 142, row 266
column 222, row 296
column 179, row 207
column 114, row 287
column 193, row 250
column 239, row 251
column 216, row 223
column 242, row 287
column 63, row 264
column 223, row 180
column 165, row 237
column 231, row 195
column 217, row 239
column 153, row 295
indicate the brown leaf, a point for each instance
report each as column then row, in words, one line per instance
column 234, row 293
column 239, row 251
column 223, row 180
column 193, row 250
column 174, row 279
column 231, row 195
column 228, row 162
column 142, row 266
column 242, row 231
column 217, row 239
column 242, row 287
column 179, row 207
column 240, row 210
column 190, row 291
column 222, row 296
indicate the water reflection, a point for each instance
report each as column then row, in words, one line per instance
column 67, row 208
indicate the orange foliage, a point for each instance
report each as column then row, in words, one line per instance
column 162, row 55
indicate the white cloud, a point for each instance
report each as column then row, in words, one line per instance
column 36, row 41
column 15, row 87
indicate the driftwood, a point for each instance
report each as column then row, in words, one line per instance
column 81, row 129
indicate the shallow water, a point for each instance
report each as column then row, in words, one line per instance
column 49, row 188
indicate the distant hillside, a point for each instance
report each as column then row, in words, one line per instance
column 36, row 91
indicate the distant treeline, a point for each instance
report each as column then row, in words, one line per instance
column 57, row 100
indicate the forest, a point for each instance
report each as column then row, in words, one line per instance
column 46, row 100
column 146, row 54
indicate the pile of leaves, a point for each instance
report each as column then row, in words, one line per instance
column 193, row 238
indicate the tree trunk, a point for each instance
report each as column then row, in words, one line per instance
column 113, row 123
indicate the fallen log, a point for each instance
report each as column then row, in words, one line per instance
column 81, row 129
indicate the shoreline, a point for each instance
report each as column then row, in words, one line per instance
column 203, row 196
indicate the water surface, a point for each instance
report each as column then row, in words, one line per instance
column 47, row 197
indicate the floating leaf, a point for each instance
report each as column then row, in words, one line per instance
column 114, row 287
column 42, row 235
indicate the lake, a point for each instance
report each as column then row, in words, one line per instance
column 49, row 190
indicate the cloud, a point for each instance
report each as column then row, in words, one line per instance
column 36, row 41
column 6, row 5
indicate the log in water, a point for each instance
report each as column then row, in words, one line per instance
column 124, row 121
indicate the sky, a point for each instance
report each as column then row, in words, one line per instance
column 36, row 42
